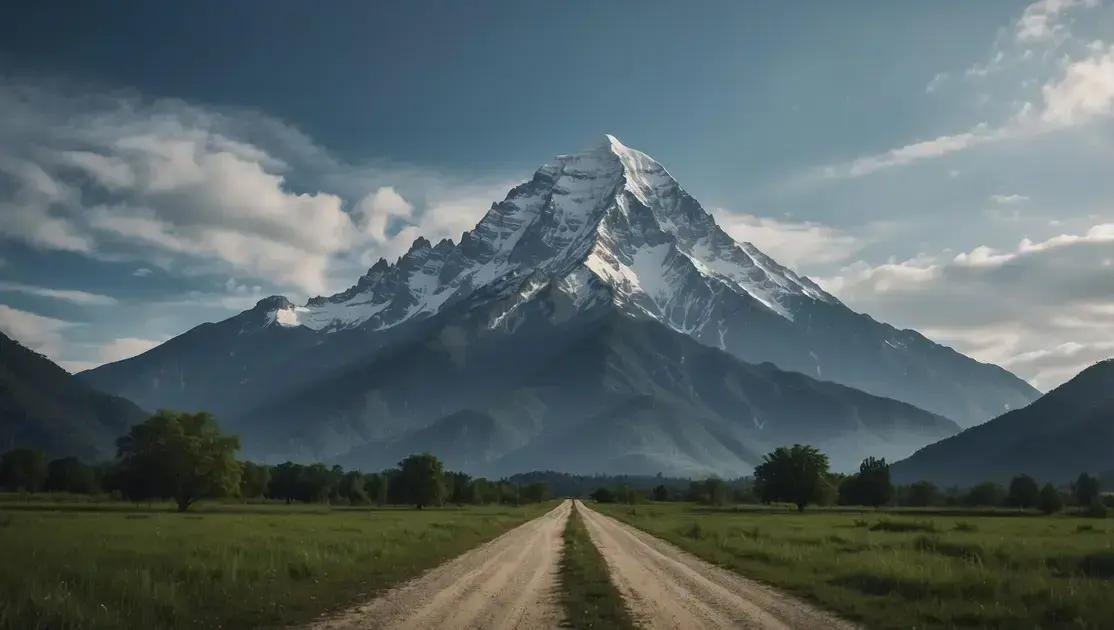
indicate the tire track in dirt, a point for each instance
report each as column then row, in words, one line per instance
column 509, row 582
column 666, row 587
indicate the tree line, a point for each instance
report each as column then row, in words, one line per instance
column 185, row 457
column 800, row 475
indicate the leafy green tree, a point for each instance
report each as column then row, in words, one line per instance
column 254, row 480
column 602, row 495
column 1050, row 500
column 423, row 480
column 985, row 494
column 924, row 494
column 871, row 486
column 285, row 483
column 23, row 470
column 179, row 455
column 351, row 488
column 375, row 486
column 1086, row 490
column 795, row 475
column 1024, row 492
column 459, row 487
column 536, row 492
column 661, row 493
column 69, row 474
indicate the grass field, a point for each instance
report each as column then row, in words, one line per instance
column 85, row 565
column 589, row 597
column 909, row 570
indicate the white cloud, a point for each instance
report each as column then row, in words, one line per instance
column 184, row 187
column 916, row 152
column 142, row 272
column 1041, row 309
column 1010, row 199
column 1042, row 21
column 793, row 243
column 41, row 334
column 83, row 298
column 1084, row 92
column 935, row 82
column 124, row 348
column 1081, row 92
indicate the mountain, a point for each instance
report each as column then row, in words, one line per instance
column 1067, row 431
column 584, row 390
column 607, row 231
column 43, row 406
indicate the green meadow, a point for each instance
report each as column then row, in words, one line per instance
column 908, row 570
column 96, row 564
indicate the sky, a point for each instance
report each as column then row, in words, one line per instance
column 942, row 166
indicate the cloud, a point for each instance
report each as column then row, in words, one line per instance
column 916, row 152
column 1042, row 309
column 1042, row 21
column 41, row 334
column 793, row 243
column 1084, row 92
column 111, row 174
column 935, row 82
column 124, row 348
column 142, row 272
column 77, row 297
column 1010, row 199
column 1081, row 91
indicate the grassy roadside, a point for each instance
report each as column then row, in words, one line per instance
column 589, row 597
column 903, row 571
column 262, row 566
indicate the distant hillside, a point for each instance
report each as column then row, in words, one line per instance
column 1067, row 431
column 43, row 406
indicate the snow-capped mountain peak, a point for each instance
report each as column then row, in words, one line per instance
column 611, row 215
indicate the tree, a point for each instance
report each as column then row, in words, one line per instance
column 1050, row 500
column 375, row 486
column 1024, row 492
column 459, row 487
column 23, row 470
column 285, row 482
column 923, row 494
column 351, row 488
column 794, row 474
column 536, row 492
column 68, row 474
column 871, row 486
column 602, row 495
column 179, row 455
column 661, row 493
column 254, row 480
column 423, row 480
column 987, row 493
column 1086, row 490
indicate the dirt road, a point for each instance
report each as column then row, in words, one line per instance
column 510, row 582
column 669, row 588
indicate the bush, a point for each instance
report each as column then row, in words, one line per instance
column 1095, row 510
column 1050, row 500
column 602, row 495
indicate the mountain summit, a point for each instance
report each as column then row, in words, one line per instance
column 610, row 217
column 456, row 337
column 612, row 224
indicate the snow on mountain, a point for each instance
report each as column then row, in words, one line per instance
column 612, row 215
column 606, row 230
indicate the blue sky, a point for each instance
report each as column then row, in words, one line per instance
column 943, row 166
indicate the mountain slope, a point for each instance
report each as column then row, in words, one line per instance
column 1067, row 431
column 43, row 406
column 611, row 214
column 591, row 392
